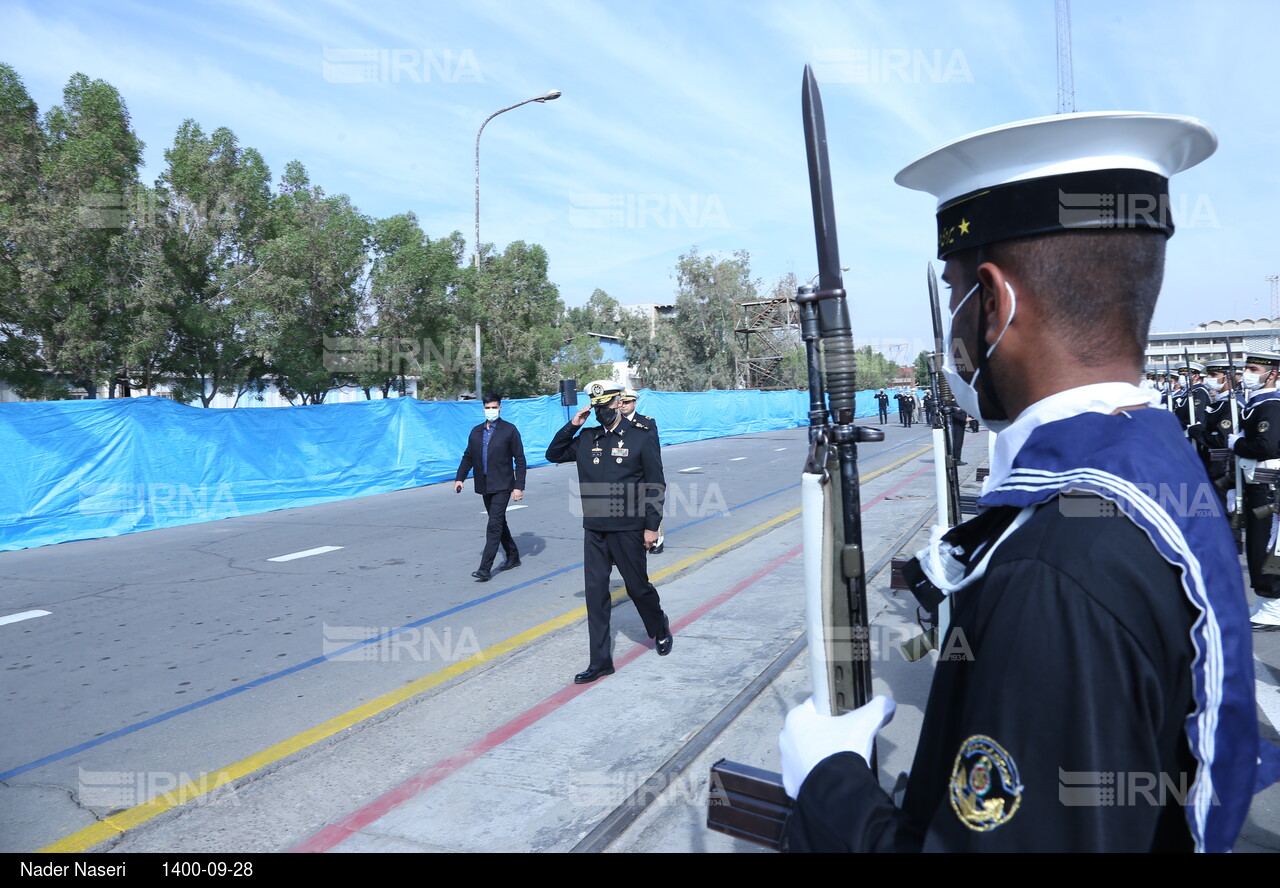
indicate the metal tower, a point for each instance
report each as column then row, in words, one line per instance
column 1066, row 80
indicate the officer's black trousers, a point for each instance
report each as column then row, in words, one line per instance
column 1257, row 534
column 624, row 548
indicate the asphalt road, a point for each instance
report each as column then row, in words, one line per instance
column 165, row 655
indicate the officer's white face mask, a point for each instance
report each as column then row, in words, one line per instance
column 1214, row 385
column 1252, row 381
column 966, row 393
column 491, row 413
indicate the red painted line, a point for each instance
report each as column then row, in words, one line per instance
column 334, row 834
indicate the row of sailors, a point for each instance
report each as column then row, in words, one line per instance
column 1239, row 423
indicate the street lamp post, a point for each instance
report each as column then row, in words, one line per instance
column 553, row 94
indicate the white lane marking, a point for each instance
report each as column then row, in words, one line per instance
column 1268, row 702
column 307, row 554
column 25, row 615
column 779, row 449
column 691, row 469
column 736, row 458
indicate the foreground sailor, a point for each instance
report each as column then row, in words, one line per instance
column 1107, row 631
column 1257, row 446
column 622, row 488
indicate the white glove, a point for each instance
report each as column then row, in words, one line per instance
column 808, row 737
column 1232, row 439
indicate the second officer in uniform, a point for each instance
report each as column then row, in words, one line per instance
column 622, row 488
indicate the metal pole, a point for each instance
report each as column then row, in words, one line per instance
column 553, row 94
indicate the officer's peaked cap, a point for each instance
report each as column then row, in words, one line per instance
column 602, row 391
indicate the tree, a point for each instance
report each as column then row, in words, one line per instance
column 922, row 369
column 309, row 288
column 409, row 324
column 63, row 218
column 22, row 144
column 517, row 308
column 212, row 201
column 697, row 350
column 874, row 370
column 601, row 314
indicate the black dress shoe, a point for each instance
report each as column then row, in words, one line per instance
column 592, row 674
column 662, row 644
column 482, row 575
column 509, row 564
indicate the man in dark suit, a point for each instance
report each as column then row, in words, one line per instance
column 496, row 454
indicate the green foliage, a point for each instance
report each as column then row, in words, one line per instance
column 517, row 307
column 70, row 185
column 922, row 369
column 211, row 283
column 875, row 371
column 696, row 350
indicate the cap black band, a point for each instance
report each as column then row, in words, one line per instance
column 1094, row 199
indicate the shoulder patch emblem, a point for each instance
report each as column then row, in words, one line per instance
column 985, row 788
column 1263, row 426
column 1225, row 424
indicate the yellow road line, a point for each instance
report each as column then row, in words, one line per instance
column 118, row 824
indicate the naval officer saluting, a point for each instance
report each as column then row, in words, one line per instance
column 622, row 488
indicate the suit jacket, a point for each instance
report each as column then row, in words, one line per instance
column 506, row 451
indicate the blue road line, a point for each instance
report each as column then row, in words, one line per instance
column 390, row 633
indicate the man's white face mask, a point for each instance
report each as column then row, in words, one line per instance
column 966, row 392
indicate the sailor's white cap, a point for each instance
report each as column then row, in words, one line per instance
column 1103, row 169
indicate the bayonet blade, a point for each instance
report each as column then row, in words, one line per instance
column 824, row 212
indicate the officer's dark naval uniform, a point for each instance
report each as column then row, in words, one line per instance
column 622, row 490
column 1259, row 441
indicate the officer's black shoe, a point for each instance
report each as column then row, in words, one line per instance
column 591, row 674
column 662, row 644
column 482, row 575
column 656, row 548
column 509, row 564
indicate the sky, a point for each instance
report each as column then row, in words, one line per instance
column 679, row 124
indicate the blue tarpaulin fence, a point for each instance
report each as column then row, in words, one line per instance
column 77, row 470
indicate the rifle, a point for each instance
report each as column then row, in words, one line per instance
column 1191, row 399
column 747, row 802
column 946, row 474
column 1237, row 514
